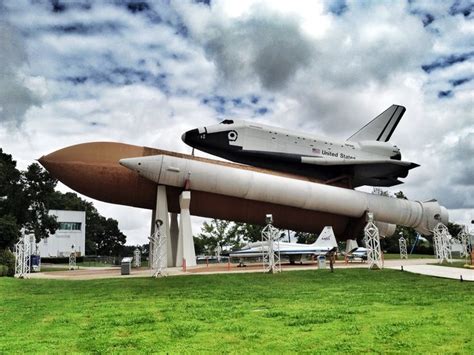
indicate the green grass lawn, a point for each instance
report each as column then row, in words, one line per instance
column 351, row 310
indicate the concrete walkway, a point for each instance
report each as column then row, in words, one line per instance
column 419, row 266
column 439, row 271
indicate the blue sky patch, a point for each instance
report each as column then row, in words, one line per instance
column 445, row 94
column 457, row 82
column 447, row 61
column 337, row 7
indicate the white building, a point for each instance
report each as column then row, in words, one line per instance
column 71, row 232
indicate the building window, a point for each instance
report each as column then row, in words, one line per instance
column 70, row 226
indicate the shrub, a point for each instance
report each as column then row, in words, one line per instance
column 3, row 270
column 7, row 259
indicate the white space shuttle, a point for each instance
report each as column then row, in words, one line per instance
column 365, row 158
column 325, row 243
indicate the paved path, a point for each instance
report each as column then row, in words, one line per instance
column 439, row 271
column 419, row 266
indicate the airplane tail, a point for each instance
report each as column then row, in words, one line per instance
column 381, row 127
column 326, row 239
column 351, row 244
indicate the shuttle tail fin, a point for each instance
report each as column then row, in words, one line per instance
column 326, row 239
column 381, row 127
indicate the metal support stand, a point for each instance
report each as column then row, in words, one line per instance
column 374, row 253
column 22, row 257
column 442, row 246
column 465, row 239
column 137, row 260
column 270, row 247
column 402, row 243
column 72, row 259
column 158, row 251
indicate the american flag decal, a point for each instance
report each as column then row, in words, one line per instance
column 317, row 150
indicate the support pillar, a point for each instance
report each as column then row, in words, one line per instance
column 174, row 236
column 185, row 240
column 151, row 240
column 161, row 213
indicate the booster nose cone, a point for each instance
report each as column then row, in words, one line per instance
column 131, row 163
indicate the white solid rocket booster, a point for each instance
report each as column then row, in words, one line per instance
column 246, row 184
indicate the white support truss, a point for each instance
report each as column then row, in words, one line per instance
column 22, row 257
column 374, row 253
column 465, row 239
column 402, row 243
column 159, row 252
column 442, row 245
column 137, row 260
column 270, row 248
column 72, row 259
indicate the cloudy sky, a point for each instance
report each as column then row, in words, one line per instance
column 144, row 72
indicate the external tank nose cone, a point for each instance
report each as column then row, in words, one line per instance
column 93, row 169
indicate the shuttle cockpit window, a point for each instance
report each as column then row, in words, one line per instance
column 227, row 122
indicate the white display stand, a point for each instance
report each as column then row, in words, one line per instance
column 442, row 245
column 270, row 251
column 137, row 258
column 374, row 253
column 22, row 257
column 158, row 251
column 402, row 243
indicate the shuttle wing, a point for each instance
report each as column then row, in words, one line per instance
column 368, row 172
column 381, row 127
column 334, row 162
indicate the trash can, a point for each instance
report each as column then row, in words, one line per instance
column 321, row 262
column 126, row 266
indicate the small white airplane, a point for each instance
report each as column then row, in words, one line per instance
column 325, row 243
column 365, row 158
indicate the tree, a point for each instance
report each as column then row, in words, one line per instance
column 9, row 231
column 10, row 201
column 24, row 201
column 216, row 233
column 454, row 229
column 306, row 238
column 246, row 232
column 38, row 190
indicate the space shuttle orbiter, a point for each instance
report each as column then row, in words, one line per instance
column 365, row 158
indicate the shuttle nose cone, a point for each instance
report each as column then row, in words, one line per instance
column 191, row 137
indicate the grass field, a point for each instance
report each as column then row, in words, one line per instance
column 302, row 311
